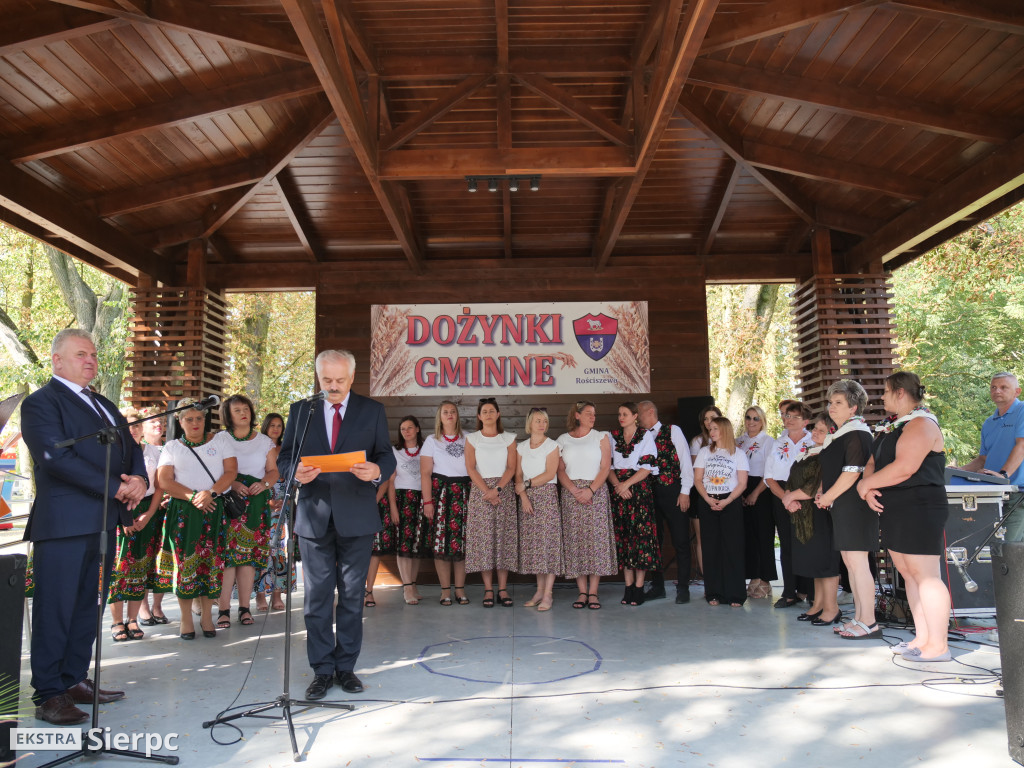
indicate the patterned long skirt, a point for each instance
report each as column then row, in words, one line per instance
column 413, row 538
column 246, row 538
column 587, row 538
column 492, row 532
column 636, row 533
column 135, row 567
column 448, row 530
column 384, row 539
column 196, row 543
column 273, row 574
column 540, row 532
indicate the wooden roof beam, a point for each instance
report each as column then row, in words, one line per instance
column 736, row 78
column 412, row 164
column 408, row 67
column 348, row 108
column 51, row 24
column 992, row 177
column 354, row 36
column 426, row 117
column 192, row 16
column 774, row 18
column 721, row 208
column 1005, row 16
column 284, row 186
column 685, row 48
column 577, row 108
column 24, row 195
column 84, row 133
column 810, row 166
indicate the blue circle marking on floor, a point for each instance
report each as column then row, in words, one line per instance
column 558, row 658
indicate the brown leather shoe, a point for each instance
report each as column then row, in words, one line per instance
column 82, row 693
column 60, row 710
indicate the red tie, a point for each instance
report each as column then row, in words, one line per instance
column 336, row 427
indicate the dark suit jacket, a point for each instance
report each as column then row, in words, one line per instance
column 70, row 481
column 340, row 496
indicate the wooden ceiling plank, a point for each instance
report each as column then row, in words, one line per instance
column 732, row 145
column 697, row 20
column 191, row 16
column 426, row 117
column 295, row 212
column 844, row 221
column 721, row 208
column 736, row 78
column 1005, row 16
column 51, row 24
column 408, row 67
column 204, row 182
column 577, row 108
column 992, row 177
column 774, row 18
column 81, row 134
column 501, row 34
column 26, row 196
column 306, row 22
column 811, row 166
column 562, row 161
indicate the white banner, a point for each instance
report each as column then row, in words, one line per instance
column 491, row 349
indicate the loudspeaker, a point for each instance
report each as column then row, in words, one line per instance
column 1008, row 578
column 688, row 414
column 12, row 604
column 965, row 530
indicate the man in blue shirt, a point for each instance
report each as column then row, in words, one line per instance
column 1002, row 445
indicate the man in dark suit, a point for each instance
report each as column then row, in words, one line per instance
column 336, row 517
column 66, row 524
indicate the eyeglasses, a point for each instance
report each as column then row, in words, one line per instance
column 752, row 418
column 788, row 416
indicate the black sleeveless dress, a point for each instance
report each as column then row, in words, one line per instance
column 914, row 520
column 855, row 525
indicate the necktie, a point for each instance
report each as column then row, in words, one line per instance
column 336, row 426
column 99, row 408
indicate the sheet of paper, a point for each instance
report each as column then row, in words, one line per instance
column 335, row 462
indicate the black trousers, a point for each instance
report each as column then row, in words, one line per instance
column 759, row 534
column 791, row 583
column 721, row 539
column 667, row 514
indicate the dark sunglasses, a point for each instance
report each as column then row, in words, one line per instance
column 752, row 418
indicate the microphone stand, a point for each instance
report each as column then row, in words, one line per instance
column 107, row 437
column 285, row 702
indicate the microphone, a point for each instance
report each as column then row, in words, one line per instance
column 969, row 584
column 212, row 401
column 321, row 395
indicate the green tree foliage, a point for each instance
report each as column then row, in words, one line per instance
column 959, row 312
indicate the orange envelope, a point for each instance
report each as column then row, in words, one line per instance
column 335, row 462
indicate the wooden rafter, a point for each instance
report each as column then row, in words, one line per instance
column 306, row 22
column 51, row 24
column 990, row 178
column 407, row 67
column 721, row 208
column 577, row 108
column 286, row 85
column 24, row 195
column 284, row 186
column 355, row 38
column 774, row 18
column 811, row 166
column 426, row 117
column 410, row 164
column 685, row 47
column 1005, row 16
column 845, row 100
column 204, row 18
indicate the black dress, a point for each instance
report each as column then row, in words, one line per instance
column 855, row 525
column 814, row 555
column 914, row 520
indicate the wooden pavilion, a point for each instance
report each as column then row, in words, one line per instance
column 193, row 147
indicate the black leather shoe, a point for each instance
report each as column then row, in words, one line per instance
column 682, row 597
column 319, row 687
column 349, row 682
column 654, row 592
column 82, row 693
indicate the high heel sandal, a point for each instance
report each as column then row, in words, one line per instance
column 819, row 622
column 809, row 616
column 506, row 601
column 461, row 600
column 627, row 596
column 369, row 602
column 414, row 601
column 545, row 604
column 445, row 600
column 581, row 603
column 488, row 602
column 223, row 619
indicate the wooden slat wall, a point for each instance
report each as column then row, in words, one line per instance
column 177, row 347
column 843, row 330
column 676, row 310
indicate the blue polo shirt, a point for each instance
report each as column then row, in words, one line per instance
column 998, row 435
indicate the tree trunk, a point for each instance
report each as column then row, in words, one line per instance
column 758, row 305
column 255, row 327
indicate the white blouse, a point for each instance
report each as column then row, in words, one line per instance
column 721, row 469
column 783, row 455
column 187, row 470
column 757, row 449
column 407, row 472
column 491, row 452
column 151, row 457
column 449, row 457
column 646, row 447
column 251, row 454
column 582, row 455
column 535, row 460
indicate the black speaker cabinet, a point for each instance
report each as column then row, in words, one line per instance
column 1008, row 578
column 973, row 512
column 688, row 412
column 12, row 604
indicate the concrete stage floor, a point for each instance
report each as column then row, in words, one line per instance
column 659, row 685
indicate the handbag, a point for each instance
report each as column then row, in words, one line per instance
column 234, row 504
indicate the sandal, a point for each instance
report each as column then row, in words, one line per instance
column 581, row 603
column 595, row 604
column 414, row 601
column 488, row 602
column 224, row 619
column 867, row 633
column 135, row 634
column 445, row 600
column 506, row 600
column 713, row 601
column 461, row 599
column 161, row 619
column 245, row 616
column 119, row 635
column 369, row 602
